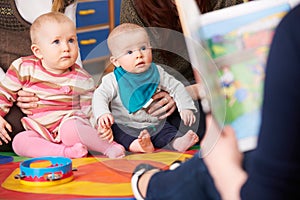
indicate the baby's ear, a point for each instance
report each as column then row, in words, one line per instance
column 36, row 51
column 114, row 61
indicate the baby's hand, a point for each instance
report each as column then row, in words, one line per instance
column 104, row 127
column 4, row 127
column 106, row 121
column 188, row 117
column 106, row 134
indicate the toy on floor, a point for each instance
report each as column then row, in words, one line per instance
column 60, row 171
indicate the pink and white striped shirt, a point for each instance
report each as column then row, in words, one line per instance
column 60, row 96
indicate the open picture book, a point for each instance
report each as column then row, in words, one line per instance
column 228, row 50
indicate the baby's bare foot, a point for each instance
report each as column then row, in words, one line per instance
column 184, row 142
column 143, row 143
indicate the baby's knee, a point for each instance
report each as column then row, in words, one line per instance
column 18, row 141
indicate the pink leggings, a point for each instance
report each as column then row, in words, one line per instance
column 76, row 138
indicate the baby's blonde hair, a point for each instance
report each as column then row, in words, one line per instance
column 58, row 5
column 124, row 28
column 40, row 22
column 61, row 5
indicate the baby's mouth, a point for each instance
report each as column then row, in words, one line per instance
column 140, row 63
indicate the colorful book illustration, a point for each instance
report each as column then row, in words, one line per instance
column 229, row 49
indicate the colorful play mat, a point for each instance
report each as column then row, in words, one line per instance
column 95, row 177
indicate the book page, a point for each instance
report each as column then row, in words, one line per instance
column 229, row 49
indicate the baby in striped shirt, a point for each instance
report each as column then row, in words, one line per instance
column 60, row 125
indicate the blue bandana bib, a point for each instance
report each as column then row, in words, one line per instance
column 136, row 89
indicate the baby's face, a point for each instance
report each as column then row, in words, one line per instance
column 58, row 46
column 134, row 52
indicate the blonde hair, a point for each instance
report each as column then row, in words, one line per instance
column 124, row 28
column 39, row 23
column 58, row 6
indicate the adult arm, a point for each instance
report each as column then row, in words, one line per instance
column 9, row 86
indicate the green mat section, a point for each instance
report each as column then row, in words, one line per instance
column 15, row 156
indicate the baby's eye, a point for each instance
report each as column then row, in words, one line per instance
column 56, row 41
column 71, row 40
column 129, row 52
column 143, row 48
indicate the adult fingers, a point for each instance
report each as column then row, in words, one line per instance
column 4, row 136
column 163, row 108
column 167, row 112
column 26, row 107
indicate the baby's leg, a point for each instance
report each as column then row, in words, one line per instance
column 184, row 142
column 142, row 143
column 74, row 130
column 32, row 144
